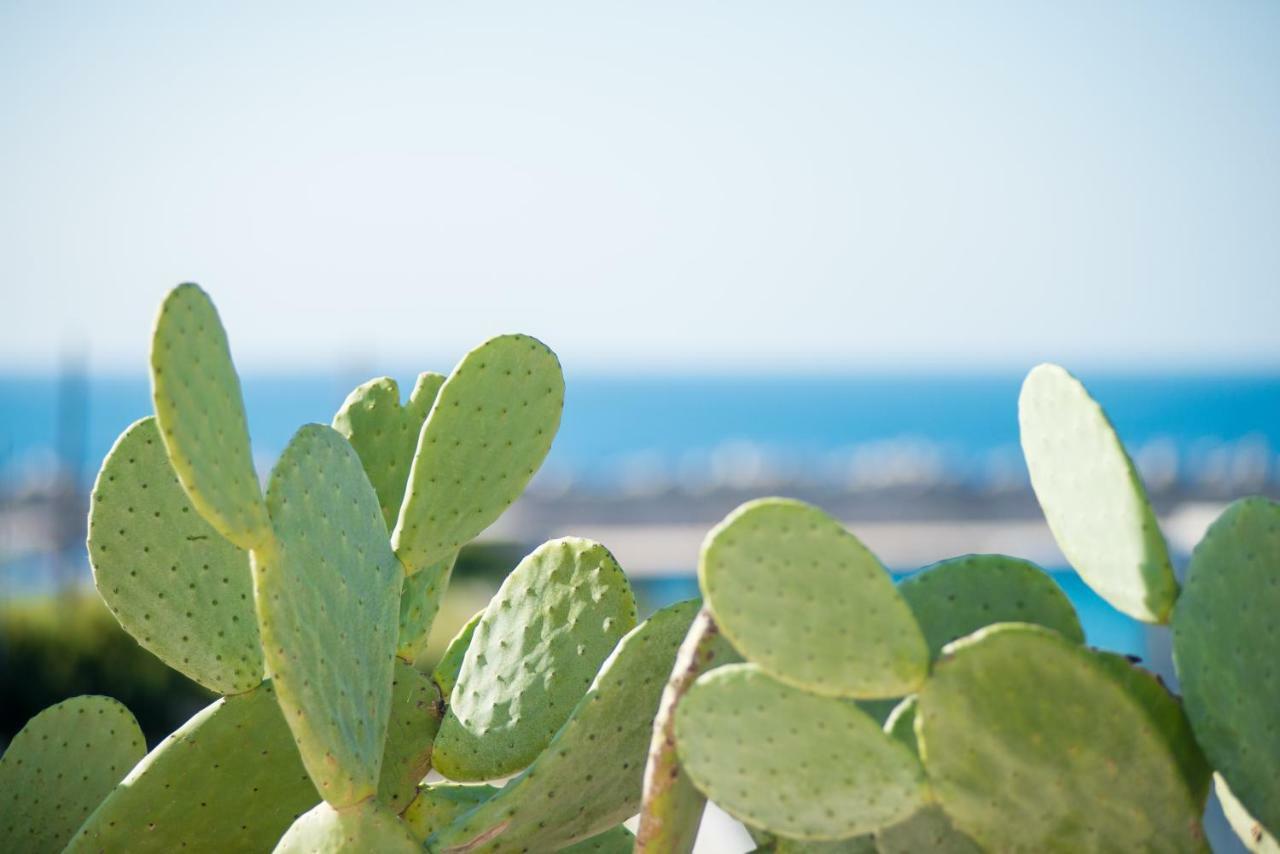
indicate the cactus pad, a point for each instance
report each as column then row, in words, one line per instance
column 366, row 826
column 619, row 840
column 928, row 830
column 1226, row 642
column 415, row 716
column 796, row 593
column 172, row 581
column 437, row 805
column 229, row 779
column 537, row 647
column 201, row 415
column 60, row 766
column 446, row 673
column 955, row 597
column 489, row 430
column 1092, row 496
column 1251, row 832
column 385, row 434
column 865, row 844
column 1032, row 745
column 327, row 594
column 420, row 596
column 798, row 764
column 589, row 777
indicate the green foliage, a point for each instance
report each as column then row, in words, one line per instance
column 1092, row 496
column 364, row 826
column 796, row 593
column 60, row 766
column 1226, row 646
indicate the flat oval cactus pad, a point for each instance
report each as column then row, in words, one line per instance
column 794, row 763
column 172, row 581
column 200, row 411
column 366, row 826
column 60, row 766
column 1032, row 745
column 1226, row 647
column 489, row 430
column 328, row 596
column 796, row 593
column 955, row 597
column 536, row 649
column 1092, row 496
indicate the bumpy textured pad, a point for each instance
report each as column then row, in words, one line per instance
column 229, row 779
column 1166, row 714
column 363, row 827
column 1226, row 644
column 416, row 708
column 537, row 647
column 955, row 597
column 796, row 593
column 928, row 829
column 60, row 766
column 864, row 844
column 795, row 763
column 488, row 432
column 172, row 581
column 1092, row 496
column 420, row 597
column 589, row 777
column 1032, row 745
column 328, row 594
column 1249, row 829
column 385, row 434
column 436, row 806
column 201, row 415
column 446, row 673
column 619, row 840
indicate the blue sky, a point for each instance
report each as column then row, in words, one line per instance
column 667, row 186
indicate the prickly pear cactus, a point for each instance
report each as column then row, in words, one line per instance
column 328, row 595
column 170, row 579
column 1251, row 832
column 488, row 432
column 445, row 675
column 534, row 652
column 779, row 757
column 588, row 779
column 60, row 766
column 1016, row 702
column 956, row 597
column 416, row 708
column 1092, row 496
column 229, row 779
column 1226, row 642
column 200, row 412
column 800, row 596
column 365, row 826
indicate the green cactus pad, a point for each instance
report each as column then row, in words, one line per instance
column 385, row 434
column 956, row 597
column 420, row 596
column 901, row 724
column 438, row 805
column 1032, row 745
column 796, row 593
column 1166, row 714
column 201, row 415
column 1092, row 496
column 327, row 595
column 60, row 766
column 865, row 844
column 619, row 840
column 416, row 708
column 446, row 673
column 537, row 647
column 229, row 779
column 928, row 830
column 488, row 432
column 364, row 827
column 172, row 581
column 795, row 763
column 1226, row 643
column 1251, row 832
column 589, row 778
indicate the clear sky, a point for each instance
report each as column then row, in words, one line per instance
column 670, row 186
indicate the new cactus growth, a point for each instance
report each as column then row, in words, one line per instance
column 305, row 607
